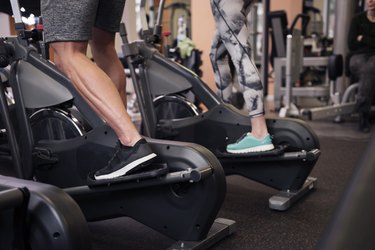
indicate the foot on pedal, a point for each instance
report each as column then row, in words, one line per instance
column 249, row 144
column 277, row 151
column 152, row 171
column 126, row 160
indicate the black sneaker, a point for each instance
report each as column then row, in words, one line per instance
column 126, row 159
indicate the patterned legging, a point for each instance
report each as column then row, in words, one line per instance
column 231, row 41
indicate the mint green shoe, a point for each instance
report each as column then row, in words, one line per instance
column 248, row 143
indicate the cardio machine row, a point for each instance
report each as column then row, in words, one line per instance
column 188, row 175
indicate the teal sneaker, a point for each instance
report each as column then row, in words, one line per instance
column 248, row 143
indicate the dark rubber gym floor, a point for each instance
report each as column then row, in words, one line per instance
column 246, row 202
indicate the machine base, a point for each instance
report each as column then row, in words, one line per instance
column 286, row 198
column 220, row 229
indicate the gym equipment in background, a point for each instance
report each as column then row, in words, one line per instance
column 160, row 85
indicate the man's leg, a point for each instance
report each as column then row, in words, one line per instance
column 96, row 87
column 105, row 56
column 132, row 152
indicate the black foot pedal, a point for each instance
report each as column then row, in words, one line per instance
column 151, row 171
column 278, row 150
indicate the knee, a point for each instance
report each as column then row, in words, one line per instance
column 216, row 59
column 60, row 60
column 65, row 52
column 103, row 45
column 98, row 48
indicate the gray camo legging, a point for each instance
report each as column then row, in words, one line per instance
column 231, row 41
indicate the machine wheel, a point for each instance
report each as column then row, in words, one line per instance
column 56, row 124
column 174, row 107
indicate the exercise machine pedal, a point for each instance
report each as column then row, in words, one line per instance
column 277, row 151
column 152, row 171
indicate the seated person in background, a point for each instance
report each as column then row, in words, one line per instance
column 232, row 39
column 68, row 27
column 361, row 42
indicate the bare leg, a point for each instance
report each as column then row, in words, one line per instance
column 259, row 127
column 105, row 56
column 97, row 88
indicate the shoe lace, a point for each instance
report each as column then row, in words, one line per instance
column 240, row 139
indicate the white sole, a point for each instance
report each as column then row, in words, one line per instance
column 125, row 169
column 253, row 149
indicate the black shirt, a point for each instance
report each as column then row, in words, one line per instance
column 360, row 25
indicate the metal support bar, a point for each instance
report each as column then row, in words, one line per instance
column 324, row 112
column 11, row 198
column 264, row 69
column 16, row 11
column 294, row 56
column 280, row 63
column 11, row 135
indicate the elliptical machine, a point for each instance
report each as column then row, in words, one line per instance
column 160, row 85
column 179, row 196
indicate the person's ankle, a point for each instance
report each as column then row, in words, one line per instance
column 130, row 142
column 259, row 135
